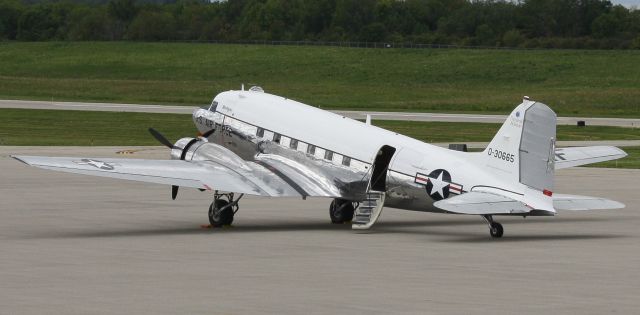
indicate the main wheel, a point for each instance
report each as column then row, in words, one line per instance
column 496, row 230
column 219, row 217
column 341, row 211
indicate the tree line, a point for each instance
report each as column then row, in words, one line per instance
column 526, row 23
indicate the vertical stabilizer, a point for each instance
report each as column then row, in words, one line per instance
column 523, row 151
column 502, row 155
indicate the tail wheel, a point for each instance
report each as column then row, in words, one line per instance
column 220, row 214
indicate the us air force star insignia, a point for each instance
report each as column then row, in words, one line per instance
column 438, row 184
column 96, row 164
column 437, row 187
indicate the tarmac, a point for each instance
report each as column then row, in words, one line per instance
column 405, row 116
column 73, row 244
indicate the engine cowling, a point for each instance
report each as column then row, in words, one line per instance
column 183, row 149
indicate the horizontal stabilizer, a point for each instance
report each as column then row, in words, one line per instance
column 482, row 203
column 573, row 202
column 576, row 156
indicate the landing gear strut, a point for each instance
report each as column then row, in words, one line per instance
column 341, row 211
column 221, row 211
column 495, row 228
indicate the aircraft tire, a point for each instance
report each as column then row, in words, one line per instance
column 496, row 230
column 341, row 211
column 219, row 218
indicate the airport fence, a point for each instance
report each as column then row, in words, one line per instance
column 407, row 45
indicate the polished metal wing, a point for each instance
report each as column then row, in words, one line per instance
column 209, row 175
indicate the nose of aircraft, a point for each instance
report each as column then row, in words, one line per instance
column 195, row 114
column 198, row 118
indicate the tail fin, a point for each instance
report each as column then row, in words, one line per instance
column 523, row 150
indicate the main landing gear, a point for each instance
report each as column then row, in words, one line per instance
column 223, row 208
column 341, row 211
column 495, row 228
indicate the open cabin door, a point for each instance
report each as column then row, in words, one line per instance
column 370, row 209
column 380, row 166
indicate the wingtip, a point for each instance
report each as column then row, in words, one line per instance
column 19, row 158
column 624, row 154
column 619, row 205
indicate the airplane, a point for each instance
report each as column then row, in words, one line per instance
column 254, row 143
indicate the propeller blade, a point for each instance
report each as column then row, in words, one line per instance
column 156, row 134
column 174, row 191
column 208, row 133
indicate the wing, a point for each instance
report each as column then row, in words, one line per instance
column 482, row 203
column 253, row 179
column 570, row 157
column 573, row 202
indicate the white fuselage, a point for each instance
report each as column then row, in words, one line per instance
column 353, row 144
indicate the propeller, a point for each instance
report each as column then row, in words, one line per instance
column 174, row 191
column 208, row 133
column 162, row 139
column 156, row 134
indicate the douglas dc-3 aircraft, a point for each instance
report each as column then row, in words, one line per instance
column 255, row 143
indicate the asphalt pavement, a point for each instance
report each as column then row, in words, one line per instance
column 73, row 244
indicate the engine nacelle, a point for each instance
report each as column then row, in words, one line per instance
column 178, row 150
column 198, row 149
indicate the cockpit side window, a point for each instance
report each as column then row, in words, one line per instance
column 213, row 107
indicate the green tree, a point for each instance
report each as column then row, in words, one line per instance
column 512, row 38
column 485, row 35
column 38, row 22
column 10, row 11
column 89, row 24
column 123, row 10
column 152, row 25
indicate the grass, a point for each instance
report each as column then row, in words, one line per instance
column 88, row 128
column 68, row 127
column 572, row 82
column 480, row 132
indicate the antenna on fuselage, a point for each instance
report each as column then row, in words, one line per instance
column 242, row 86
column 368, row 120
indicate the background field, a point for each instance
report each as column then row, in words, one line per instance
column 572, row 82
column 84, row 128
column 62, row 127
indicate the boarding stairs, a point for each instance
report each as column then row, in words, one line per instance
column 369, row 210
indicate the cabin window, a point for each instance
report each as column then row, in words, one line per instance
column 311, row 149
column 276, row 137
column 260, row 132
column 213, row 107
column 346, row 161
column 293, row 144
column 328, row 155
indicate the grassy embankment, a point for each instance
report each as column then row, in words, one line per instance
column 52, row 127
column 573, row 82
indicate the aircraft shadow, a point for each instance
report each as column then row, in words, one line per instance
column 395, row 227
column 532, row 238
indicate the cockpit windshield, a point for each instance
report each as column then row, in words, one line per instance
column 212, row 107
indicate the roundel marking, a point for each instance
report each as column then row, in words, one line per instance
column 438, row 185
